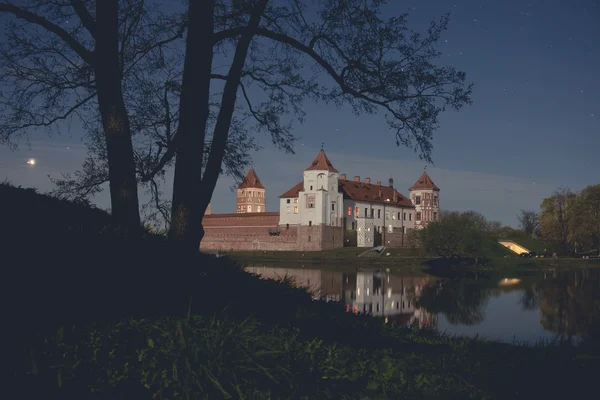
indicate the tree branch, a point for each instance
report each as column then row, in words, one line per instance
column 85, row 17
column 87, row 55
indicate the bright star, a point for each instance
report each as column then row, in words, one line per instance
column 31, row 161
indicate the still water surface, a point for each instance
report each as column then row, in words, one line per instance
column 528, row 307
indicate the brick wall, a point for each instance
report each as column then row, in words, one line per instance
column 320, row 237
column 395, row 239
column 248, row 239
column 255, row 232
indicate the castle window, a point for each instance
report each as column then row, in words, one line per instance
column 310, row 201
column 356, row 212
column 418, row 200
column 258, row 209
column 394, row 216
column 387, row 215
column 410, row 217
column 405, row 216
column 288, row 201
column 296, row 201
column 332, row 206
column 379, row 213
column 287, row 226
column 349, row 211
column 287, row 210
column 372, row 212
column 311, row 188
column 295, row 209
column 418, row 217
column 352, row 225
column 309, row 238
column 435, row 201
column 390, row 229
column 309, row 223
column 249, row 208
column 366, row 212
column 398, row 216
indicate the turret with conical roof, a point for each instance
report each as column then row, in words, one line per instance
column 251, row 194
column 425, row 195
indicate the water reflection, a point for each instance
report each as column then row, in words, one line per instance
column 526, row 308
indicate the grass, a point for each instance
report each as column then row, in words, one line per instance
column 95, row 317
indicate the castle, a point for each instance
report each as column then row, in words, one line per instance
column 323, row 211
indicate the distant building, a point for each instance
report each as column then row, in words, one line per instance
column 323, row 211
column 370, row 209
column 251, row 195
column 425, row 195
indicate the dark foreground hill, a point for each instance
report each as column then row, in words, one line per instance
column 90, row 316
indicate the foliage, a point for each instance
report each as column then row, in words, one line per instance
column 463, row 235
column 571, row 221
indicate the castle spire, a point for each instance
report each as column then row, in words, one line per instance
column 251, row 181
column 321, row 163
column 424, row 182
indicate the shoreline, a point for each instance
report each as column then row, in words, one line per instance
column 410, row 261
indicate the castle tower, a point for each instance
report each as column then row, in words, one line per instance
column 321, row 201
column 251, row 195
column 425, row 195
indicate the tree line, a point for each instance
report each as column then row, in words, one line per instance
column 568, row 224
column 570, row 221
column 186, row 86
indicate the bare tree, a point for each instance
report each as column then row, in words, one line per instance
column 66, row 59
column 279, row 55
column 529, row 221
column 373, row 63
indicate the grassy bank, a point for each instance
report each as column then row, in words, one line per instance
column 94, row 317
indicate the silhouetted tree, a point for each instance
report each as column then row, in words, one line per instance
column 58, row 58
column 374, row 63
column 48, row 60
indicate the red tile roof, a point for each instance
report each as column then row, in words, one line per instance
column 360, row 191
column 251, row 181
column 424, row 182
column 321, row 163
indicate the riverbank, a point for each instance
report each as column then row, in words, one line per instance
column 403, row 257
column 92, row 316
column 150, row 321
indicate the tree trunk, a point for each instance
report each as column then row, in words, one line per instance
column 191, row 196
column 115, row 121
column 186, row 215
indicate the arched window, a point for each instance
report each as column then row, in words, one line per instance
column 309, row 238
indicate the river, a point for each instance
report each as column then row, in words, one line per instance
column 525, row 307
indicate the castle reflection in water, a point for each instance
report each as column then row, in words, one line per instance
column 366, row 292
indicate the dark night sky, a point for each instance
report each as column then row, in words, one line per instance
column 534, row 124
